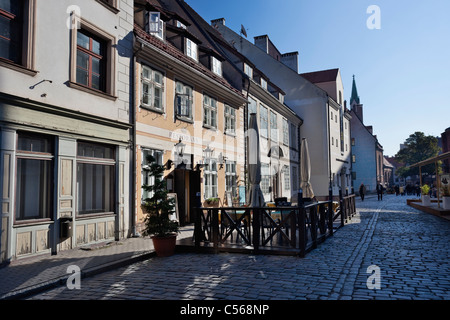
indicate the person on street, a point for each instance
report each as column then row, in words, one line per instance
column 380, row 191
column 362, row 191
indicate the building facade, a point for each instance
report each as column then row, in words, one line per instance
column 188, row 115
column 65, row 124
column 367, row 152
column 311, row 103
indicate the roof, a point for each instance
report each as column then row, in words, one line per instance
column 355, row 96
column 321, row 76
column 174, row 52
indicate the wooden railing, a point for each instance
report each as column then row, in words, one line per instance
column 278, row 230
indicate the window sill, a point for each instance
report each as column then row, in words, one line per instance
column 209, row 127
column 231, row 134
column 92, row 91
column 184, row 119
column 87, row 216
column 35, row 222
column 153, row 109
column 17, row 67
column 108, row 6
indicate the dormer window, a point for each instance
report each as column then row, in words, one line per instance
column 216, row 66
column 191, row 49
column 181, row 25
column 248, row 70
column 264, row 83
column 155, row 25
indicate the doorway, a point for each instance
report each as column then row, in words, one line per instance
column 186, row 186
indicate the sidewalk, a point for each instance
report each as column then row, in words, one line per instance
column 29, row 276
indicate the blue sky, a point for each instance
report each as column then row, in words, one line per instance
column 402, row 70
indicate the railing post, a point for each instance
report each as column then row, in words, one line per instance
column 256, row 228
column 198, row 227
column 215, row 229
column 342, row 206
column 313, row 227
column 301, row 212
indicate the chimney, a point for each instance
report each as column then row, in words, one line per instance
column 262, row 42
column 220, row 21
column 290, row 60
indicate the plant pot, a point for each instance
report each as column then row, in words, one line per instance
column 446, row 203
column 426, row 200
column 165, row 246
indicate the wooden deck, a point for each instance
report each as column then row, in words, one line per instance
column 433, row 209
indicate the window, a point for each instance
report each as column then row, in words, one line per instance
column 155, row 25
column 248, row 70
column 230, row 177
column 90, row 61
column 147, row 179
column 285, row 132
column 294, row 178
column 251, row 108
column 152, row 88
column 264, row 83
column 93, row 60
column 230, row 120
column 263, row 121
column 354, row 158
column 183, row 100
column 11, row 30
column 210, row 175
column 353, row 142
column 209, row 111
column 287, row 178
column 273, row 126
column 34, row 179
column 191, row 49
column 265, row 178
column 331, row 115
column 95, row 178
column 293, row 139
column 216, row 66
column 181, row 25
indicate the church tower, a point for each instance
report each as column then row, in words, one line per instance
column 355, row 103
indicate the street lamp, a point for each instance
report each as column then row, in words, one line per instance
column 208, row 153
column 179, row 147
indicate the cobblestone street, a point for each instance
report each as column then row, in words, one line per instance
column 410, row 249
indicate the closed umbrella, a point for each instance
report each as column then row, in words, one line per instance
column 305, row 171
column 256, row 197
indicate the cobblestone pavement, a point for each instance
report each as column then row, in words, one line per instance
column 410, row 249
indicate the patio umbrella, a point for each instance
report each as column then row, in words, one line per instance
column 305, row 171
column 255, row 198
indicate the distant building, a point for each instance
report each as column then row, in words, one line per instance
column 446, row 148
column 326, row 124
column 367, row 152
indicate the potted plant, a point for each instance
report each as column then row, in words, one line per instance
column 425, row 195
column 445, row 195
column 212, row 202
column 158, row 209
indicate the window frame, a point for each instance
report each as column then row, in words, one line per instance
column 46, row 157
column 229, row 118
column 146, row 177
column 285, row 132
column 210, row 175
column 26, row 61
column 216, row 66
column 110, row 59
column 106, row 162
column 264, row 121
column 101, row 57
column 230, row 174
column 190, row 99
column 158, row 25
column 273, row 126
column 191, row 49
column 248, row 70
column 153, row 85
column 208, row 111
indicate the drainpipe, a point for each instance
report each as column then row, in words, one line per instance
column 133, row 148
column 330, row 188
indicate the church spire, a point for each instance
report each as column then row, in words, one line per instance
column 355, row 96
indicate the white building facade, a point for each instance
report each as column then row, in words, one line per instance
column 65, row 124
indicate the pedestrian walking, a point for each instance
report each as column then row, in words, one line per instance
column 380, row 191
column 397, row 190
column 362, row 191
